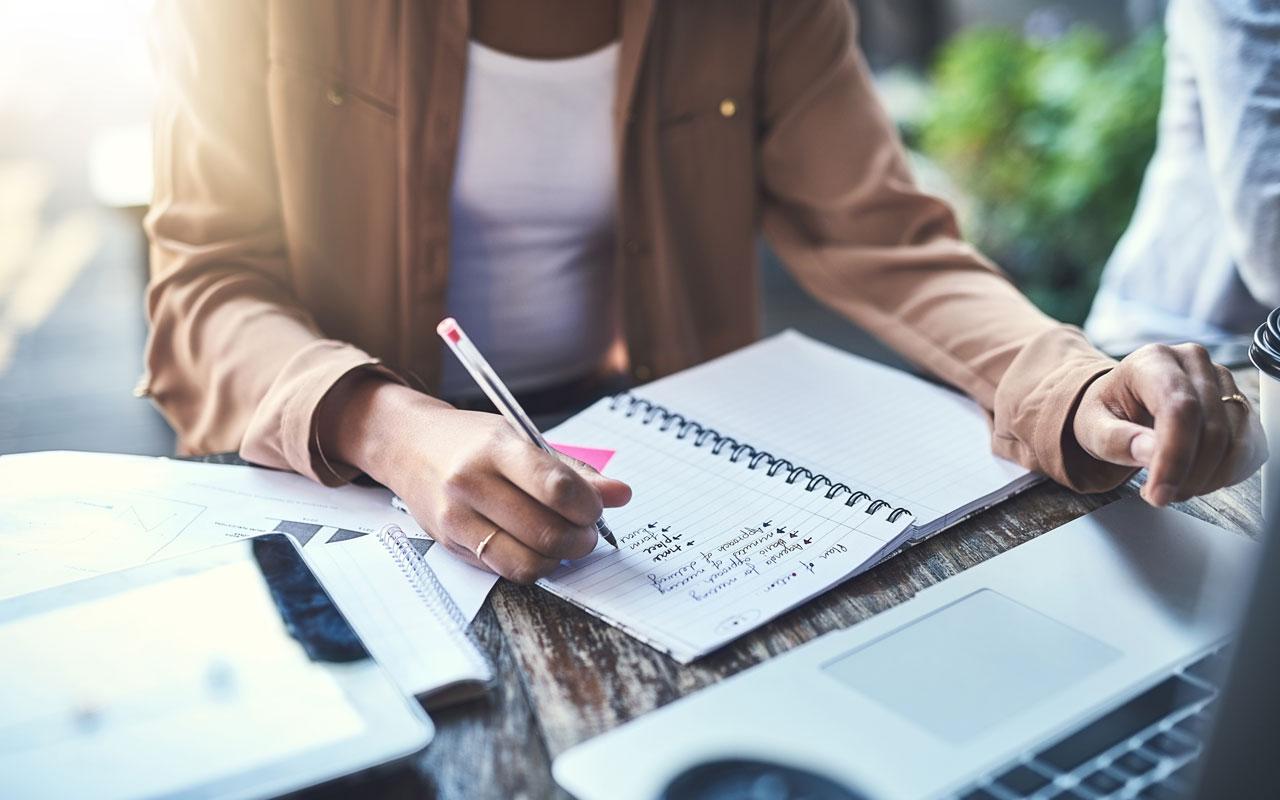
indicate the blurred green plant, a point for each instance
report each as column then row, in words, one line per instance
column 1050, row 139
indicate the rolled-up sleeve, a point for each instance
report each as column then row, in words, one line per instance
column 844, row 214
column 1234, row 49
column 234, row 361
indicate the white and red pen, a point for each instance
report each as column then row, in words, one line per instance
column 497, row 391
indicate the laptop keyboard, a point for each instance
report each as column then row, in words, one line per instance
column 1145, row 748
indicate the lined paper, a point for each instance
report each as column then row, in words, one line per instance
column 888, row 433
column 710, row 548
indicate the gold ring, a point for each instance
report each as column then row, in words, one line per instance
column 1237, row 398
column 485, row 543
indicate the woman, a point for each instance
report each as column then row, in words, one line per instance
column 582, row 182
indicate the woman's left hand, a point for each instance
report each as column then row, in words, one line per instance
column 1163, row 408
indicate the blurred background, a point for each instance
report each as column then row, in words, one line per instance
column 1036, row 119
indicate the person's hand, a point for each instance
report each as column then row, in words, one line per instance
column 1162, row 408
column 468, row 477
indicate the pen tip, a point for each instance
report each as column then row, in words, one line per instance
column 602, row 528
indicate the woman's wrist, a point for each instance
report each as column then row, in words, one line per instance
column 364, row 418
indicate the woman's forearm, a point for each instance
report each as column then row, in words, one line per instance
column 363, row 419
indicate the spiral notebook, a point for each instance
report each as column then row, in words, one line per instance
column 763, row 478
column 410, row 624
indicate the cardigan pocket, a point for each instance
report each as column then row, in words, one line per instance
column 329, row 84
column 350, row 49
column 336, row 158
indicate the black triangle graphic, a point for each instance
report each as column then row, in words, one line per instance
column 302, row 531
column 343, row 535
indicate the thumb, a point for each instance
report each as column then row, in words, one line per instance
column 613, row 492
column 1117, row 441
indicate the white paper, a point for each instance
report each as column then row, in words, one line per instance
column 708, row 550
column 711, row 547
column 416, row 645
column 890, row 434
column 66, row 516
column 222, row 661
column 468, row 586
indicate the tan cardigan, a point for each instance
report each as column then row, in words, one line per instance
column 300, row 228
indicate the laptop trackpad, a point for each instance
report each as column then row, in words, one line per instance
column 971, row 664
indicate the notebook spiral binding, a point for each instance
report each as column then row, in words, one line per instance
column 720, row 443
column 428, row 588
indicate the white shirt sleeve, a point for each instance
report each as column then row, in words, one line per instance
column 1234, row 47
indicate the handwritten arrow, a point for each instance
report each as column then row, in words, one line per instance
column 664, row 530
column 793, row 534
column 653, row 524
column 782, row 529
column 767, row 524
column 689, row 543
column 808, row 541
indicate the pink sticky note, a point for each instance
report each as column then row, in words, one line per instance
column 593, row 456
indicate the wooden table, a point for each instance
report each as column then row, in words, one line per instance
column 565, row 676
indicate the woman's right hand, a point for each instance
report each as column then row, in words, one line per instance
column 465, row 475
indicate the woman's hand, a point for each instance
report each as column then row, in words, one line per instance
column 1162, row 408
column 466, row 475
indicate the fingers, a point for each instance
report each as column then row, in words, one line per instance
column 1252, row 456
column 462, row 530
column 478, row 475
column 538, row 527
column 533, row 524
column 1247, row 449
column 613, row 492
column 514, row 561
column 1118, row 441
column 1216, row 431
column 1201, row 442
column 549, row 481
column 548, row 505
column 1166, row 390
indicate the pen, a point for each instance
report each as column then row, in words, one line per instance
column 497, row 391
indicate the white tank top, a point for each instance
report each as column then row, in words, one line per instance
column 532, row 210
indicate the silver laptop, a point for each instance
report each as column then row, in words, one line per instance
column 1079, row 664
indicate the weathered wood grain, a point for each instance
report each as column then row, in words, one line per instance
column 585, row 677
column 490, row 747
column 565, row 676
